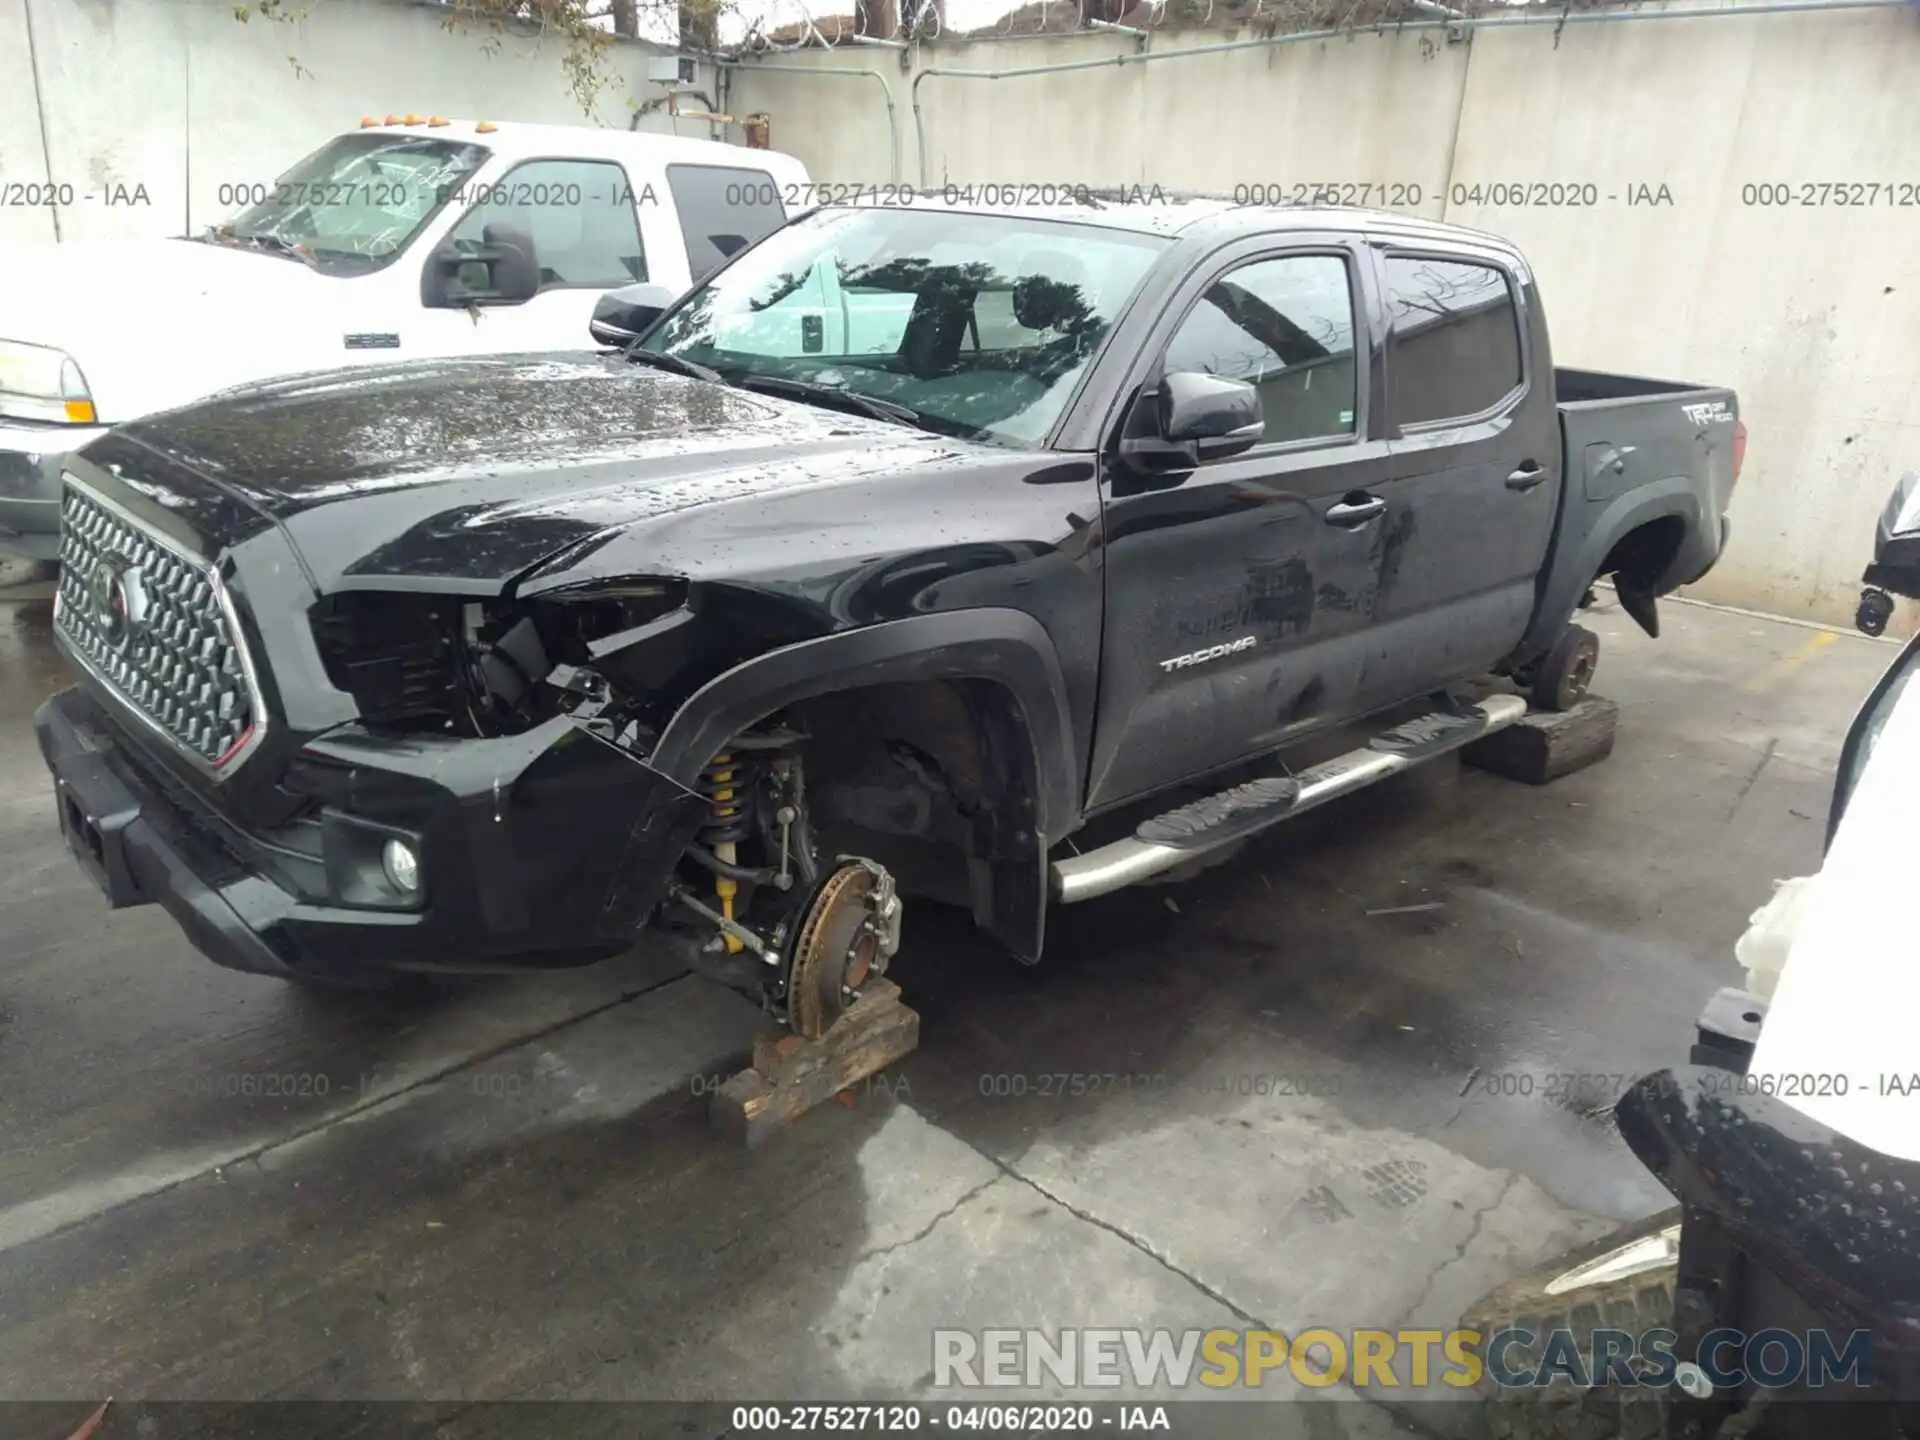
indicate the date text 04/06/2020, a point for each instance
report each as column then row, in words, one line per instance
column 1025, row 1419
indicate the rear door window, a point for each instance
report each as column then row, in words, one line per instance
column 723, row 209
column 1455, row 349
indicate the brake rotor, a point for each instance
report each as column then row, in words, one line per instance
column 834, row 952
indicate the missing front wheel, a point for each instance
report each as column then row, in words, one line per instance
column 771, row 916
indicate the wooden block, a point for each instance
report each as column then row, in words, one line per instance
column 1543, row 745
column 792, row 1075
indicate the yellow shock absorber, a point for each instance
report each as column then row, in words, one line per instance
column 720, row 775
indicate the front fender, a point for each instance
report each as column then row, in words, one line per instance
column 1008, row 647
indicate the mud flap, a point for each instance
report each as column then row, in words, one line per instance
column 1640, row 604
column 1010, row 902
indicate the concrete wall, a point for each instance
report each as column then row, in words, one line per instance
column 1811, row 312
column 178, row 97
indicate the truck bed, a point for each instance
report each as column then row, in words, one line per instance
column 1639, row 452
column 1598, row 387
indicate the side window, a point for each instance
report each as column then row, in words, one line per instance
column 723, row 210
column 580, row 214
column 1455, row 349
column 1285, row 326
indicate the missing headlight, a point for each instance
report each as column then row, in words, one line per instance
column 478, row 667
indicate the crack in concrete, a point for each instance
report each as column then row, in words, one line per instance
column 21, row 1225
column 928, row 1228
column 1166, row 1261
column 1766, row 755
column 1245, row 1316
column 1460, row 1250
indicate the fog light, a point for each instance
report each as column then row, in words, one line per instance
column 402, row 866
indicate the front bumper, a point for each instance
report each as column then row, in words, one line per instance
column 538, row 850
column 30, row 461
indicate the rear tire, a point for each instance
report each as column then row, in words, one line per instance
column 1559, row 1411
column 1560, row 679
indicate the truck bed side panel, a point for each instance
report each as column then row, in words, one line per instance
column 1581, row 386
column 1659, row 457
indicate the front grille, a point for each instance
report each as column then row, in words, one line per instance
column 149, row 621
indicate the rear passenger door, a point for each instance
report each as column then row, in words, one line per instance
column 1475, row 447
column 723, row 209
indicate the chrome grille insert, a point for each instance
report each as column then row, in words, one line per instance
column 153, row 622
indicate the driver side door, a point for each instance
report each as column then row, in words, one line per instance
column 1239, row 593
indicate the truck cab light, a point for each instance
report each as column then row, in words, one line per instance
column 413, row 120
column 485, row 127
column 434, row 122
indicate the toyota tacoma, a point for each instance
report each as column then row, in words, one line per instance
column 1000, row 557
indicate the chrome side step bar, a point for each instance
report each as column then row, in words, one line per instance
column 1186, row 833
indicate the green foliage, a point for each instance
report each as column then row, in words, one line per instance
column 588, row 29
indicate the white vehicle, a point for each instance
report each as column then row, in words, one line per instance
column 1782, row 1292
column 411, row 237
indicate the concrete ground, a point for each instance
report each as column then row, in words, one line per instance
column 508, row 1190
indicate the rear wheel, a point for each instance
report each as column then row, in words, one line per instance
column 1623, row 1282
column 1560, row 679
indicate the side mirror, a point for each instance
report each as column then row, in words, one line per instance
column 1197, row 418
column 504, row 270
column 622, row 316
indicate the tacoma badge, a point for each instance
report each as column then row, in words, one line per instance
column 1212, row 652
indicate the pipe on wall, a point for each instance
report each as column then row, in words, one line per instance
column 893, row 128
column 1268, row 42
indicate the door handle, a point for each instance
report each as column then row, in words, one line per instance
column 1527, row 476
column 1350, row 514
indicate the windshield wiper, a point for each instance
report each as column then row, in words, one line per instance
column 263, row 241
column 275, row 245
column 660, row 360
column 833, row 395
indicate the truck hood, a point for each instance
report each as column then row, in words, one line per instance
column 461, row 475
column 154, row 323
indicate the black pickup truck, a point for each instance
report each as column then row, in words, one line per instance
column 913, row 544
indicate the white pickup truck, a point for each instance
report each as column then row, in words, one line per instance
column 412, row 236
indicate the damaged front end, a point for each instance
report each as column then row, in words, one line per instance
column 730, row 845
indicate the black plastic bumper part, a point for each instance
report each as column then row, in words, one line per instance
column 539, row 850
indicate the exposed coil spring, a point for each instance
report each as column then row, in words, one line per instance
column 727, row 785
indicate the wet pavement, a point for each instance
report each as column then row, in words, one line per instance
column 1245, row 1100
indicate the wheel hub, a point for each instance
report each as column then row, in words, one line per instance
column 847, row 935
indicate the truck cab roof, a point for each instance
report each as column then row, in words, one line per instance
column 513, row 140
column 1152, row 210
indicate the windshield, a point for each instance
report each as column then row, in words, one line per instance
column 979, row 324
column 355, row 203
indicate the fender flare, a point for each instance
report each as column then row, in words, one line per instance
column 1570, row 573
column 1006, row 647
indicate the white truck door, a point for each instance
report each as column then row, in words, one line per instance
column 583, row 216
